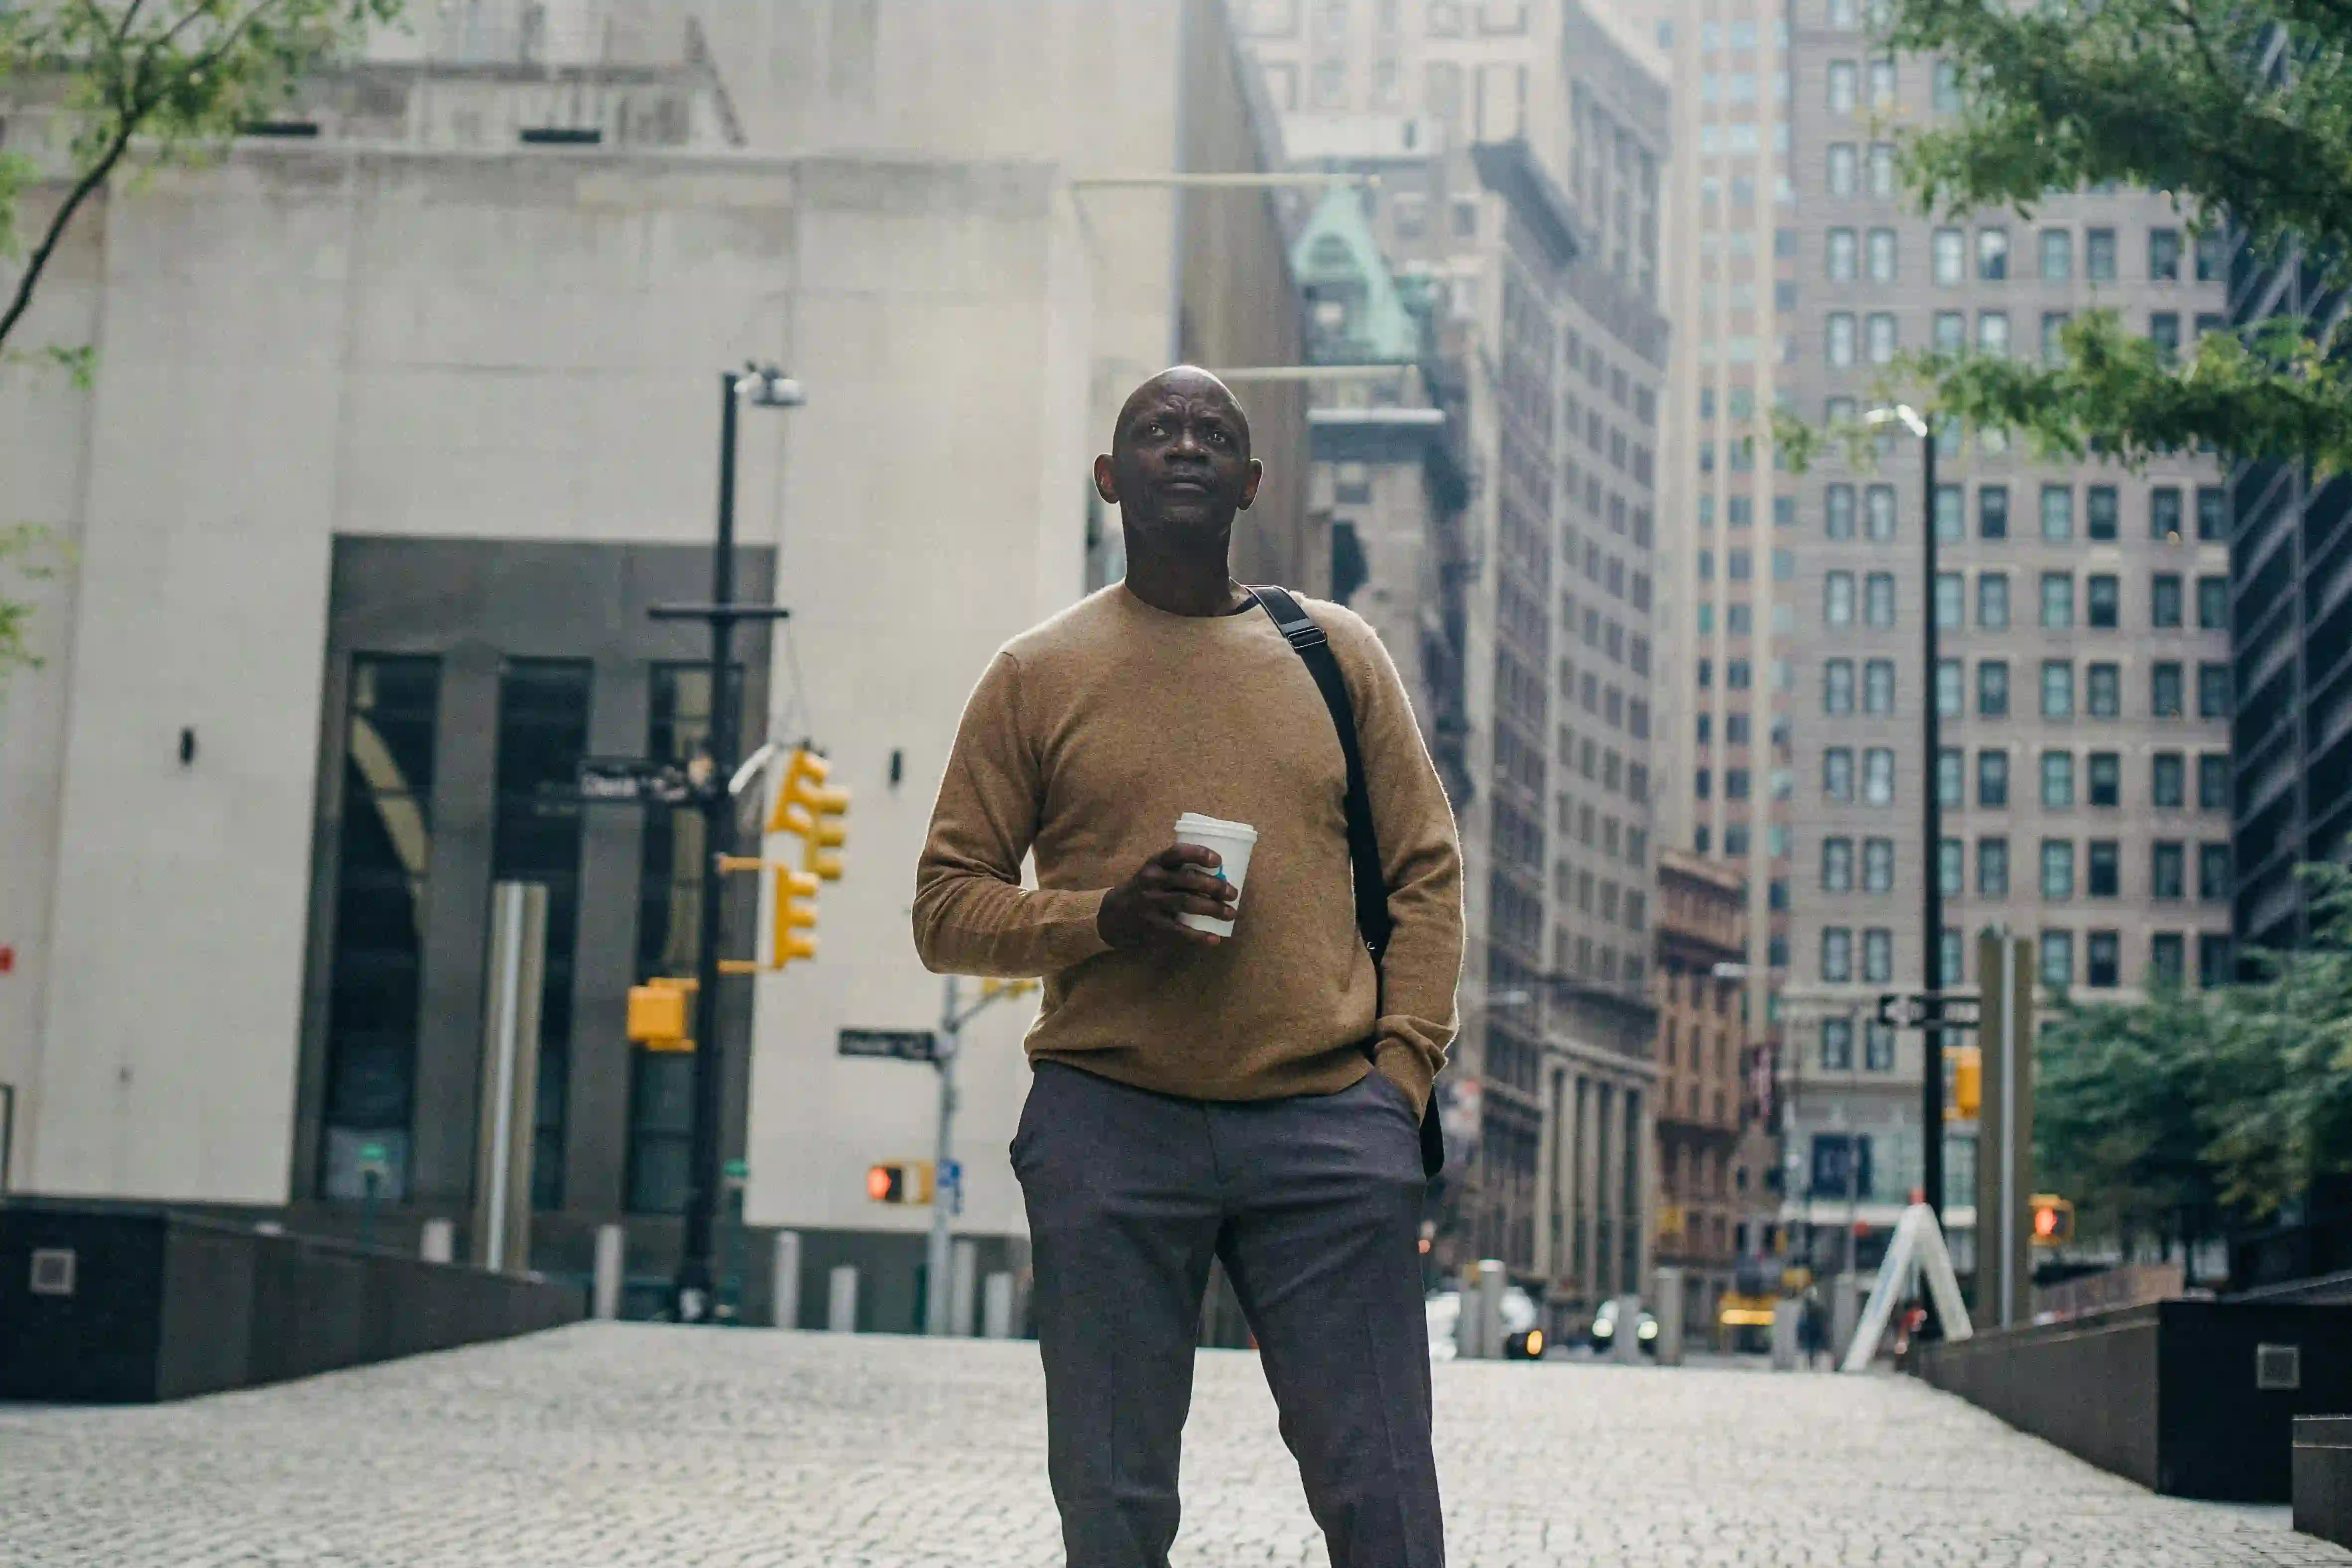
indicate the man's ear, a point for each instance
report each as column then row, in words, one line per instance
column 1107, row 482
column 1250, row 485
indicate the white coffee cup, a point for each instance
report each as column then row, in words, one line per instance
column 1233, row 842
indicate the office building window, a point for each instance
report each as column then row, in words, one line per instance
column 1951, row 330
column 2100, row 512
column 1878, row 955
column 2213, row 781
column 1878, row 777
column 1840, row 345
column 2057, row 513
column 1843, row 254
column 2167, row 958
column 1878, row 1047
column 2103, row 959
column 1948, row 699
column 1992, row 339
column 2213, row 872
column 2106, row 771
column 2164, row 256
column 2167, row 871
column 1992, row 601
column 1837, row 599
column 1951, row 874
column 1878, row 687
column 2057, row 869
column 2164, row 331
column 1837, row 1045
column 1837, row 953
column 2214, row 960
column 1837, row 686
column 2057, row 601
column 2057, row 780
column 1878, row 865
column 1882, row 86
column 1844, row 76
column 1992, row 688
column 1992, row 781
column 1951, row 514
column 2053, row 337
column 1993, row 254
column 2212, row 691
column 1881, row 171
column 1992, row 869
column 2102, row 602
column 1837, row 512
column 1844, row 169
column 2057, row 256
column 1837, row 774
column 2213, row 604
column 2168, row 780
column 2099, row 255
column 2057, row 960
column 1878, row 599
column 384, row 852
column 1992, row 511
column 1950, row 776
column 2164, row 601
column 1837, row 865
column 2103, row 868
column 2164, row 689
column 1951, row 256
column 543, row 735
column 2103, row 690
column 2212, row 512
column 2164, row 513
column 2057, row 689
column 1881, row 256
column 1882, row 337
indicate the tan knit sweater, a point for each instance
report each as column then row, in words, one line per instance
column 1085, row 740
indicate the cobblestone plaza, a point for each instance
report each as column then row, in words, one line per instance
column 605, row 1446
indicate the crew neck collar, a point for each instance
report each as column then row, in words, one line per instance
column 1138, row 602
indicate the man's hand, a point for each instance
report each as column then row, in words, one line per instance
column 1180, row 880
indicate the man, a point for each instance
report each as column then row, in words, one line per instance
column 1199, row 1096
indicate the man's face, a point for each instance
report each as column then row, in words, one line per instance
column 1180, row 459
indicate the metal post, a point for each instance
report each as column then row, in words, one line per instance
column 936, row 1283
column 438, row 1243
column 996, row 1307
column 841, row 1300
column 509, row 1075
column 691, row 1296
column 785, row 1281
column 964, row 1279
column 612, row 1258
column 1931, row 1079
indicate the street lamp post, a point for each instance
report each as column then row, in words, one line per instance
column 715, row 781
column 1931, row 818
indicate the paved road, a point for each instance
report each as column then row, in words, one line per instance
column 607, row 1446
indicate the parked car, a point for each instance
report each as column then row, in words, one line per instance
column 1604, row 1329
column 1522, row 1339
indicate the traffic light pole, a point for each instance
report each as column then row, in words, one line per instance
column 943, row 1199
column 1931, row 933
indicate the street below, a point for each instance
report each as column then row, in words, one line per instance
column 609, row 1445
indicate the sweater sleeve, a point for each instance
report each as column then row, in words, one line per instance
column 1421, row 858
column 973, row 915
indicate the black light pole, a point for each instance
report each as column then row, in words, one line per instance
column 1931, row 818
column 691, row 1298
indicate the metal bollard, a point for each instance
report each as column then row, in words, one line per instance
column 785, row 1281
column 841, row 1301
column 1493, row 1276
column 1787, row 1313
column 963, row 1276
column 996, row 1307
column 1670, row 1317
column 1846, row 1315
column 440, row 1241
column 611, row 1255
column 1627, row 1347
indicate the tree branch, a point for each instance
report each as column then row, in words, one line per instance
column 83, row 188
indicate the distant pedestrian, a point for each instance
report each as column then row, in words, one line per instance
column 1813, row 1337
column 1217, row 1076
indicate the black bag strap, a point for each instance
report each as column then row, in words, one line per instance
column 1307, row 640
column 1372, row 920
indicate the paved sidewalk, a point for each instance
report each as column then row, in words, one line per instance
column 614, row 1445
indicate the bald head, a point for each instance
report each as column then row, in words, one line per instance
column 1179, row 466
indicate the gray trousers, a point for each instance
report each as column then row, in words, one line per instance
column 1314, row 1206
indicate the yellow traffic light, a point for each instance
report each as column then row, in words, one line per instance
column 792, row 917
column 806, row 807
column 1968, row 1083
column 2054, row 1219
column 899, row 1181
column 657, row 1014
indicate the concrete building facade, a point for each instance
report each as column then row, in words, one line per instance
column 393, row 436
column 1703, row 1064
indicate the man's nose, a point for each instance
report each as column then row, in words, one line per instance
column 1188, row 441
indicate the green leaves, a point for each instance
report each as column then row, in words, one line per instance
column 31, row 555
column 2233, row 1100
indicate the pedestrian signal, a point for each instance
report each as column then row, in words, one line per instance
column 901, row 1181
column 2053, row 1220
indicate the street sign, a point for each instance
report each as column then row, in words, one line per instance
column 1918, row 1009
column 890, row 1044
column 736, row 1170
column 631, row 782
